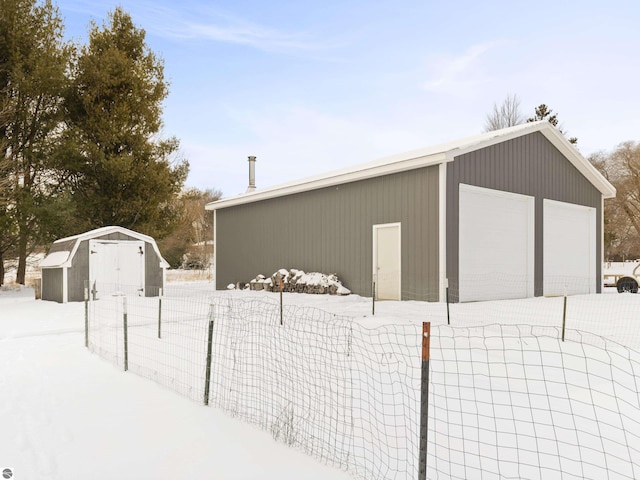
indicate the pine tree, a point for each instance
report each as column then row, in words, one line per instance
column 545, row 113
column 33, row 63
column 121, row 172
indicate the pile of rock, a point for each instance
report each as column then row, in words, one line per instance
column 296, row 281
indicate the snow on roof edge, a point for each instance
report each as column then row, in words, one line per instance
column 105, row 231
column 444, row 152
column 55, row 259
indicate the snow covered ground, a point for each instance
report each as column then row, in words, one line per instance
column 66, row 414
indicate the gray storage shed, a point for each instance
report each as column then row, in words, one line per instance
column 109, row 258
column 512, row 213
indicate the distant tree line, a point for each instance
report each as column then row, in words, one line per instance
column 80, row 134
column 620, row 166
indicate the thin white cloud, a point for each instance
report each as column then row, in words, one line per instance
column 207, row 23
column 201, row 22
column 243, row 34
column 455, row 73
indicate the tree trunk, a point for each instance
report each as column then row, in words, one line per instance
column 1, row 269
column 22, row 257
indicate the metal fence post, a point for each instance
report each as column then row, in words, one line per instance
column 564, row 312
column 281, row 287
column 424, row 400
column 207, row 380
column 86, row 313
column 126, row 339
column 373, row 298
column 160, row 314
column 447, row 293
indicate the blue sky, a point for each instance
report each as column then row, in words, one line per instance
column 310, row 87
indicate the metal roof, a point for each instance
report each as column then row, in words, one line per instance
column 424, row 157
column 59, row 259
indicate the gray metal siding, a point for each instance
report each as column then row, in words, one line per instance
column 52, row 284
column 78, row 272
column 528, row 165
column 153, row 272
column 330, row 230
column 116, row 236
column 62, row 246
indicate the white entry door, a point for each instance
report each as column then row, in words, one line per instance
column 496, row 244
column 116, row 266
column 387, row 261
column 569, row 248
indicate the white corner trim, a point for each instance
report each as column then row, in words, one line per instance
column 442, row 232
column 215, row 250
column 601, row 243
column 65, row 285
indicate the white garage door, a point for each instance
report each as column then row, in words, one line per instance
column 496, row 245
column 569, row 248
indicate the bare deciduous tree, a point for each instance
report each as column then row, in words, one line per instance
column 506, row 115
column 622, row 214
column 191, row 243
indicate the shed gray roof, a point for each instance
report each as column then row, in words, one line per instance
column 63, row 250
column 424, row 157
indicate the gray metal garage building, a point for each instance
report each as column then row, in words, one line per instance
column 512, row 213
column 109, row 258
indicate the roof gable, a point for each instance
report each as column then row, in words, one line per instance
column 425, row 157
column 62, row 256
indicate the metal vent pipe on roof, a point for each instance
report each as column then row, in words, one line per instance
column 252, row 174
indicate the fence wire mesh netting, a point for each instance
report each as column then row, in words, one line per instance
column 505, row 401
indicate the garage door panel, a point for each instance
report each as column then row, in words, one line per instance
column 569, row 248
column 496, row 244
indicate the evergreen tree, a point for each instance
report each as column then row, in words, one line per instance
column 121, row 171
column 33, row 63
column 545, row 113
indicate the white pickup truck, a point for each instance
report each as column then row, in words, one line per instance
column 625, row 276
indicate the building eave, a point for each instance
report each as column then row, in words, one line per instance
column 424, row 158
column 371, row 170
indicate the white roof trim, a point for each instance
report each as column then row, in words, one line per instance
column 99, row 232
column 55, row 259
column 583, row 165
column 423, row 158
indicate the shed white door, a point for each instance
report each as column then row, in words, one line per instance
column 116, row 266
column 387, row 261
column 569, row 248
column 496, row 244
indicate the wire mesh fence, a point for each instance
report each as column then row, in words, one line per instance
column 505, row 400
column 517, row 402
